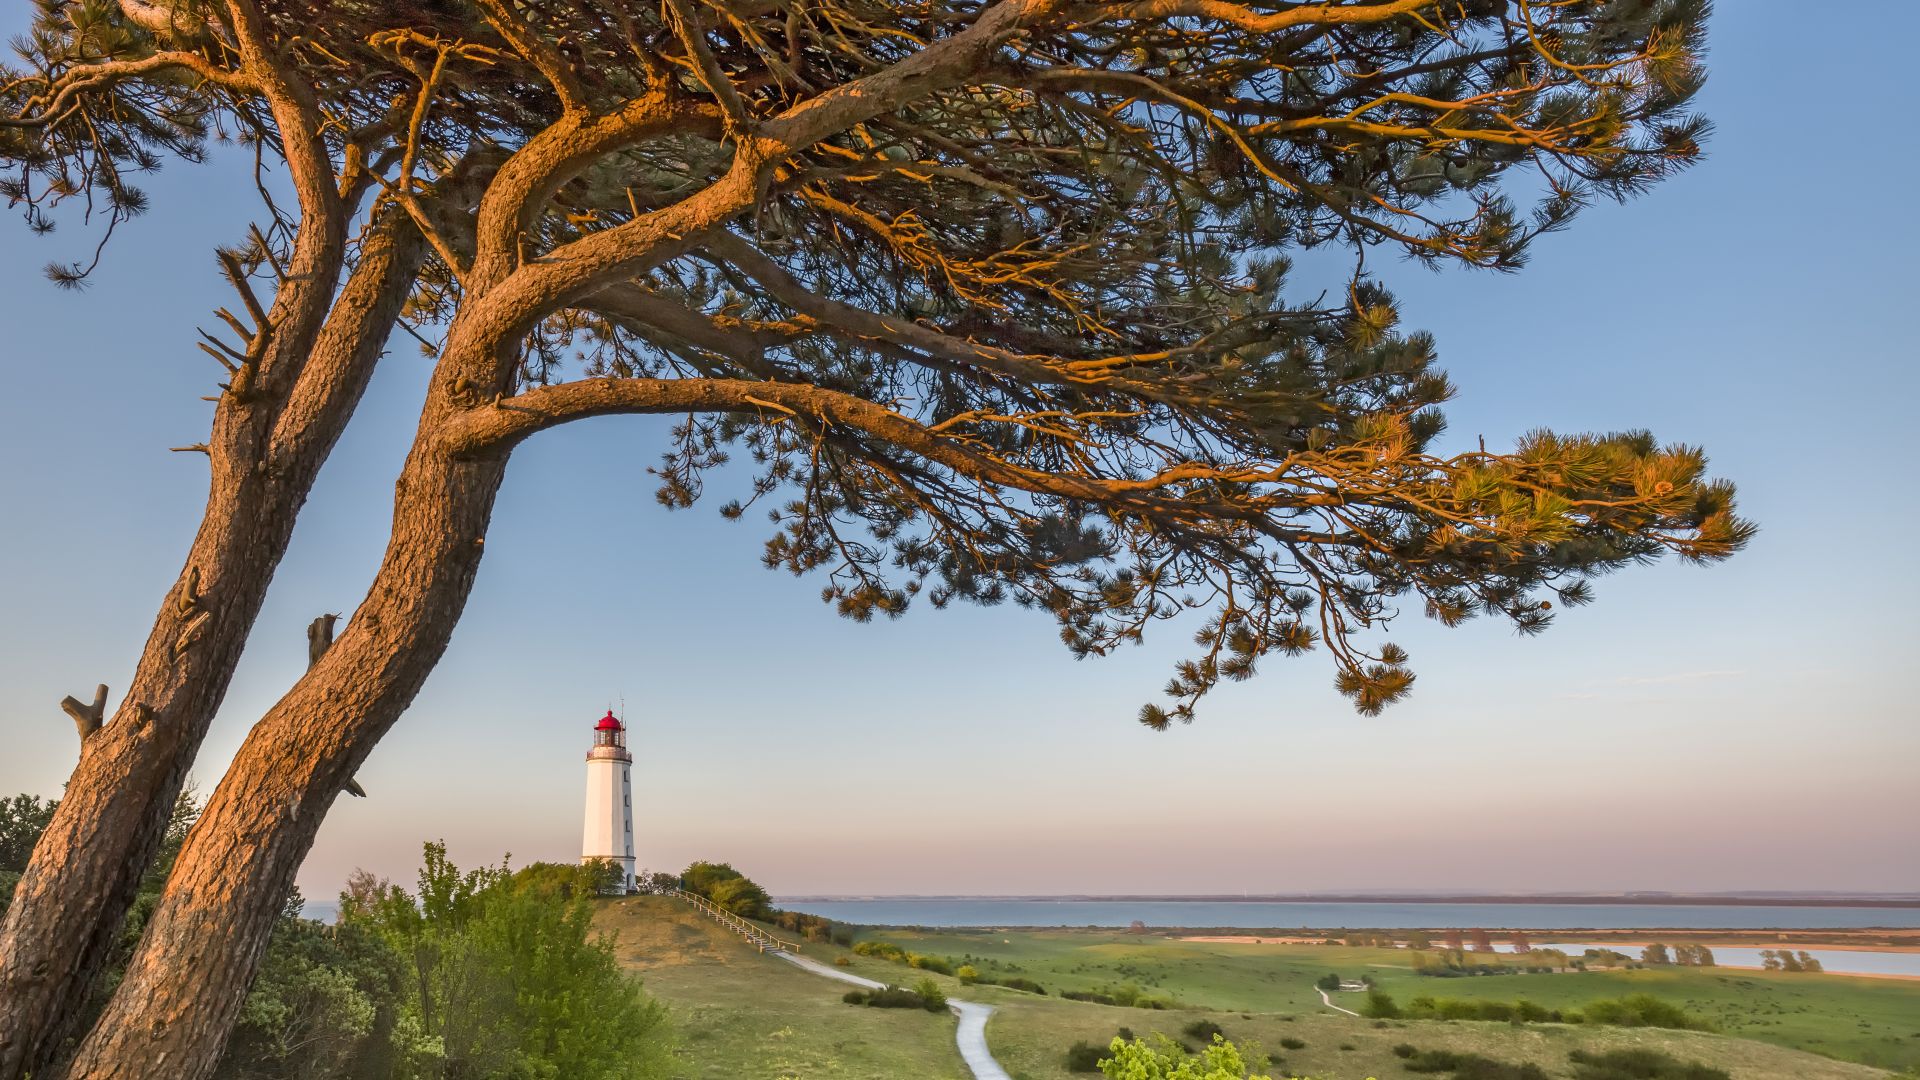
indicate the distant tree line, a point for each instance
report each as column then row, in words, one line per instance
column 1789, row 961
column 1679, row 955
column 1452, row 963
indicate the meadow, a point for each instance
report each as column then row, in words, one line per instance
column 743, row 1015
column 1866, row 1020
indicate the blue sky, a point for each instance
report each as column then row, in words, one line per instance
column 1746, row 726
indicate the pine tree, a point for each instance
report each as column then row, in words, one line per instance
column 995, row 298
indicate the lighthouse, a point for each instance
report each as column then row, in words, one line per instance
column 609, row 828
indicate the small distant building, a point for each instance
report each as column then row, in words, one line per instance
column 608, row 833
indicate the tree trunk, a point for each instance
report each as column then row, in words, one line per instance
column 182, row 993
column 268, row 443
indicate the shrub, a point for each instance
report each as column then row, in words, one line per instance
column 1220, row 1061
column 1639, row 1065
column 967, row 974
column 1329, row 981
column 1405, row 1050
column 932, row 997
column 939, row 965
column 1469, row 1066
column 1642, row 1010
column 1084, row 1057
column 1027, row 985
column 897, row 997
column 1380, row 1005
column 1204, row 1031
column 1292, row 1043
column 884, row 950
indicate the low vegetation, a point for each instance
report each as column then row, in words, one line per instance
column 926, row 994
column 491, row 972
column 1162, row 1059
column 1634, row 1010
column 1639, row 1064
column 1125, row 995
column 734, row 891
column 886, row 950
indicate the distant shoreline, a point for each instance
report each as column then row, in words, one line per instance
column 1637, row 899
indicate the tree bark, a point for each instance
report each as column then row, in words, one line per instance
column 268, row 443
column 183, row 990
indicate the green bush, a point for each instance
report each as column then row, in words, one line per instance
column 1639, row 1065
column 1405, row 1050
column 1329, row 981
column 1642, row 1010
column 1204, row 1031
column 967, row 974
column 1469, row 1066
column 1084, row 1057
column 503, row 975
column 1292, row 1043
column 939, row 965
column 1027, row 985
column 884, row 950
column 930, row 993
column 1380, row 1006
column 899, row 997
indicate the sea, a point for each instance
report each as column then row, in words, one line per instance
column 1359, row 915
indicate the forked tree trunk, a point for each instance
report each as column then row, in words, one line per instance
column 266, row 450
column 181, row 996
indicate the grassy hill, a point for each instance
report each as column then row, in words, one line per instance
column 743, row 1016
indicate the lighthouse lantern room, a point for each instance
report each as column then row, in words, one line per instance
column 609, row 824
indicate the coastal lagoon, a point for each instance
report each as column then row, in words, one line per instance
column 1277, row 915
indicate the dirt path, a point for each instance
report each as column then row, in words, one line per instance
column 1331, row 1005
column 971, row 1034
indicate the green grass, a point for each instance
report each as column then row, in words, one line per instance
column 742, row 1016
column 1871, row 1021
column 739, row 1015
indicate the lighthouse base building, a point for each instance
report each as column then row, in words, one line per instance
column 608, row 834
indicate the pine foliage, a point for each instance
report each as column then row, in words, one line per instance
column 1066, row 274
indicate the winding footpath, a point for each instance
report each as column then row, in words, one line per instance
column 1331, row 1005
column 971, row 1034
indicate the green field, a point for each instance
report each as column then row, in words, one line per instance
column 742, row 1015
column 1872, row 1021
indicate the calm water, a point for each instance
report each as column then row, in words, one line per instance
column 1280, row 914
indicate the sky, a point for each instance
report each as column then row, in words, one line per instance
column 1747, row 726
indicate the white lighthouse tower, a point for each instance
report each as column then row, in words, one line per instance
column 609, row 828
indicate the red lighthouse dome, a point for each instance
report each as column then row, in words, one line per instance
column 608, row 723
